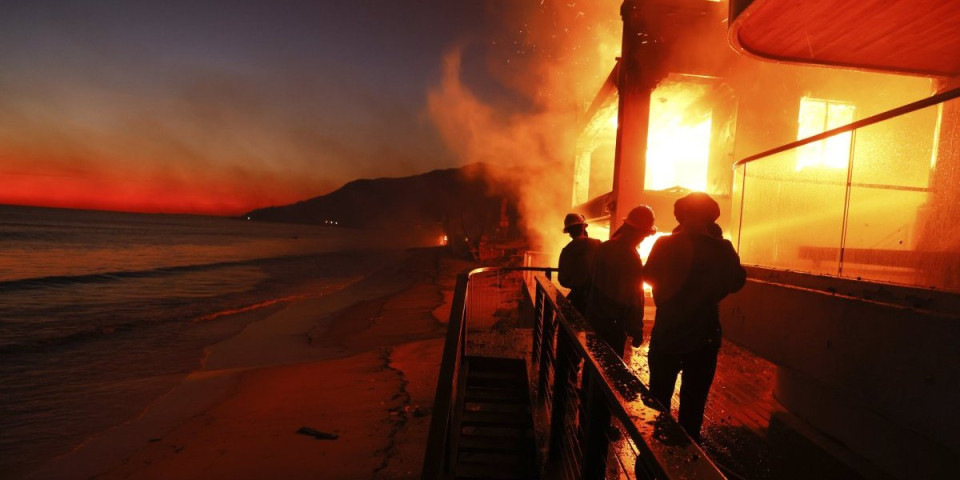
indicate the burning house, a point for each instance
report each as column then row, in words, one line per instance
column 851, row 238
column 830, row 134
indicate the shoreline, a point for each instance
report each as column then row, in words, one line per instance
column 360, row 362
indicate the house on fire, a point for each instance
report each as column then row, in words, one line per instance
column 830, row 134
column 852, row 240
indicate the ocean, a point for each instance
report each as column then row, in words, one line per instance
column 102, row 312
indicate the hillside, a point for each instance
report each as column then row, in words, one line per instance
column 457, row 202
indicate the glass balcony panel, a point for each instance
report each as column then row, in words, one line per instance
column 895, row 219
column 792, row 219
column 890, row 183
column 902, row 214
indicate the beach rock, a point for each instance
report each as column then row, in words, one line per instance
column 420, row 412
column 317, row 434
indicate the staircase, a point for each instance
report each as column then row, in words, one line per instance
column 495, row 425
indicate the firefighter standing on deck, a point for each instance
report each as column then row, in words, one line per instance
column 615, row 306
column 576, row 261
column 690, row 272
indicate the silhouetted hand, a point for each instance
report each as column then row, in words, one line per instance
column 637, row 340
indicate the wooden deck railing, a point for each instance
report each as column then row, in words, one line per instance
column 579, row 385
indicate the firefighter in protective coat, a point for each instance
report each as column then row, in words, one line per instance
column 690, row 272
column 615, row 306
column 576, row 261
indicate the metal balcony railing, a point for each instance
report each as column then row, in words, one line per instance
column 478, row 296
column 582, row 392
column 873, row 200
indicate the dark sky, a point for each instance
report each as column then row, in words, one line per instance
column 224, row 106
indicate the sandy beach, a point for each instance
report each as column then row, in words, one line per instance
column 359, row 364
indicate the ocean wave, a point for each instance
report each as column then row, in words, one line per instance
column 58, row 339
column 34, row 345
column 103, row 277
column 251, row 307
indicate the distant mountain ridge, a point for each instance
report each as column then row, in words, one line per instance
column 456, row 201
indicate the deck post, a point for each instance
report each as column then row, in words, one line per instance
column 561, row 381
column 596, row 422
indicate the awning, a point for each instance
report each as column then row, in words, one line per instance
column 919, row 37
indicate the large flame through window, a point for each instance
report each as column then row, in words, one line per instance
column 678, row 145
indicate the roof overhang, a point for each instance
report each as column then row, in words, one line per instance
column 919, row 37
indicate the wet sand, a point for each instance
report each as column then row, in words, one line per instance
column 360, row 364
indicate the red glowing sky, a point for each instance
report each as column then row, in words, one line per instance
column 221, row 107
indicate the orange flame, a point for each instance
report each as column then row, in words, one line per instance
column 678, row 146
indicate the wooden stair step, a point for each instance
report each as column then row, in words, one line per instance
column 497, row 364
column 493, row 444
column 501, row 380
column 487, row 407
column 512, row 460
column 490, row 395
column 509, row 432
column 496, row 436
column 513, row 419
column 492, row 472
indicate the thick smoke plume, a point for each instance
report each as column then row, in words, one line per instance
column 551, row 58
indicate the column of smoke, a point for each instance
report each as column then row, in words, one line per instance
column 554, row 56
